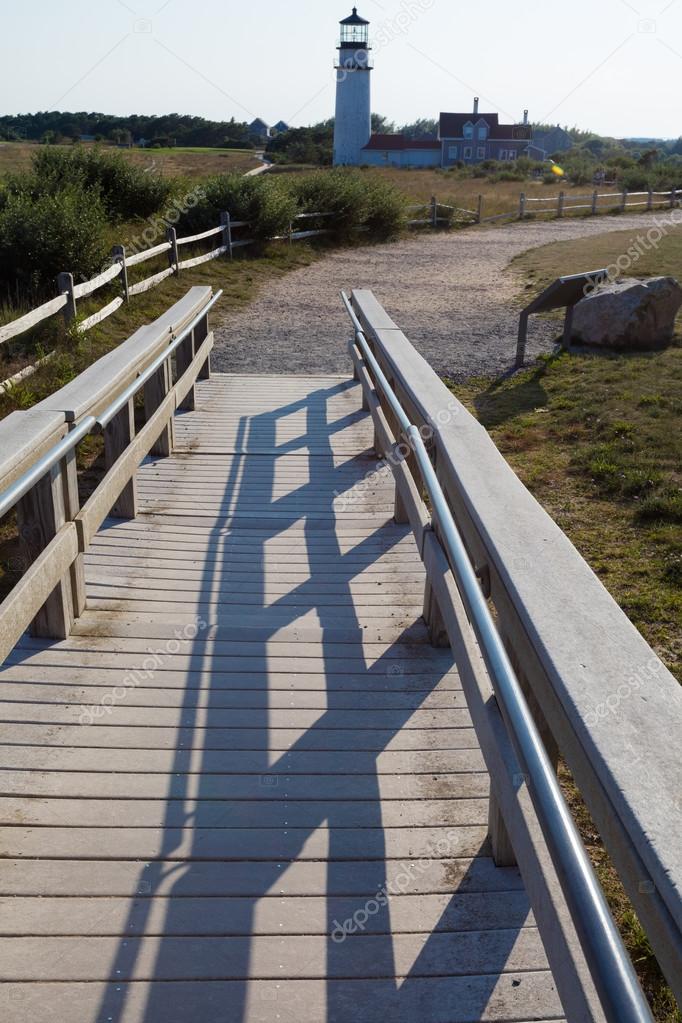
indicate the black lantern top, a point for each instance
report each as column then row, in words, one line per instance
column 354, row 30
column 354, row 19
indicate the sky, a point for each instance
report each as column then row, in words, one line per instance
column 613, row 67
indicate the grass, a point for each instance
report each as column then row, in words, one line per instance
column 194, row 163
column 598, row 440
column 539, row 267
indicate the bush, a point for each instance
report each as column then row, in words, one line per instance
column 267, row 205
column 126, row 191
column 341, row 192
column 41, row 237
column 386, row 214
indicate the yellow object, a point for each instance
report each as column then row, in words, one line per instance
column 556, row 169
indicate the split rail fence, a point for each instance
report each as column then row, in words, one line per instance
column 559, row 205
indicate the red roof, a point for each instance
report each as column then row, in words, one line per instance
column 400, row 143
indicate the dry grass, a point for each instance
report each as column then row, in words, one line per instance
column 190, row 163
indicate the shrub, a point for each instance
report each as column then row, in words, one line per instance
column 126, row 191
column 267, row 205
column 40, row 237
column 386, row 214
column 343, row 193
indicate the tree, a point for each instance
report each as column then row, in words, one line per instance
column 382, row 126
column 422, row 128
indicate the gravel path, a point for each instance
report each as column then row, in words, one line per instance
column 448, row 292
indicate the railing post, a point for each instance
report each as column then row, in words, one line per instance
column 434, row 212
column 226, row 224
column 184, row 356
column 65, row 287
column 479, row 210
column 501, row 847
column 624, row 201
column 173, row 254
column 155, row 391
column 522, row 338
column 560, row 204
column 40, row 516
column 650, row 200
column 119, row 253
column 673, row 198
column 200, row 335
column 522, row 205
column 595, row 201
column 118, row 434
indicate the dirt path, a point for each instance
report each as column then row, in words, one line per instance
column 448, row 292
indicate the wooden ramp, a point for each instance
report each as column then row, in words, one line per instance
column 247, row 789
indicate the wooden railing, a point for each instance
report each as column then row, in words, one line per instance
column 599, row 695
column 559, row 205
column 70, row 293
column 38, row 450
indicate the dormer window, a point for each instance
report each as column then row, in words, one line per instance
column 483, row 132
column 468, row 130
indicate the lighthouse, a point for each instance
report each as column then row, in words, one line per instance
column 353, row 124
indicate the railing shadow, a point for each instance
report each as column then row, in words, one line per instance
column 260, row 829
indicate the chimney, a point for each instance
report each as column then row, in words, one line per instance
column 476, row 104
column 525, row 117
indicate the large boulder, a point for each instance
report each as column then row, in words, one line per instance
column 629, row 314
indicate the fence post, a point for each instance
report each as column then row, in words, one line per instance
column 650, row 200
column 595, row 200
column 479, row 211
column 434, row 211
column 119, row 253
column 521, row 343
column 40, row 515
column 624, row 201
column 560, row 204
column 65, row 286
column 673, row 198
column 173, row 255
column 522, row 205
column 226, row 224
column 290, row 235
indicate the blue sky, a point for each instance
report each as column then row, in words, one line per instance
column 614, row 67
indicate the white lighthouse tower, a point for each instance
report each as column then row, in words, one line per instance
column 353, row 125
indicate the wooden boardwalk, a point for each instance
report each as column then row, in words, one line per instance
column 247, row 789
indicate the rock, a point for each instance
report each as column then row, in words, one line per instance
column 629, row 314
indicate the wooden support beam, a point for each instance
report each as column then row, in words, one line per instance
column 155, row 391
column 118, row 434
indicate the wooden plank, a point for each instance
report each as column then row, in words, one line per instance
column 484, row 999
column 150, row 282
column 87, row 288
column 32, row 319
column 274, row 915
column 26, row 436
column 189, row 239
column 186, row 264
column 142, row 257
column 98, row 317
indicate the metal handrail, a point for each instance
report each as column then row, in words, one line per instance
column 614, row 977
column 10, row 497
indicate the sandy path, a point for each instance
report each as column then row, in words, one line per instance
column 448, row 292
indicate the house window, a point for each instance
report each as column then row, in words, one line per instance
column 468, row 131
column 502, row 154
column 453, row 152
column 467, row 152
column 483, row 132
column 512, row 154
column 480, row 152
